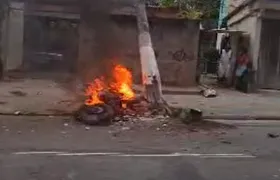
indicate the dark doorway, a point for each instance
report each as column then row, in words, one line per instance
column 50, row 44
column 270, row 54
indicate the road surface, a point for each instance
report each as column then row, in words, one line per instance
column 58, row 149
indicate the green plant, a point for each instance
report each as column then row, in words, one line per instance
column 194, row 9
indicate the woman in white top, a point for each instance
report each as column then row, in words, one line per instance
column 225, row 64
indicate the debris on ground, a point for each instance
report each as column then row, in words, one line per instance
column 187, row 115
column 17, row 113
column 164, row 125
column 225, row 142
column 207, row 91
column 112, row 108
column 116, row 104
column 18, row 93
column 125, row 128
column 271, row 135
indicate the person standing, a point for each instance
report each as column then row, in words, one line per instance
column 242, row 70
column 224, row 64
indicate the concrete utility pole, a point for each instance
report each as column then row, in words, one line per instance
column 150, row 72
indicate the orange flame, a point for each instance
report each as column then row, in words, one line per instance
column 93, row 91
column 122, row 84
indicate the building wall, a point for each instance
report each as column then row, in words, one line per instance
column 115, row 40
column 248, row 26
column 232, row 4
column 269, row 53
column 12, row 42
column 248, row 21
column 175, row 43
column 270, row 4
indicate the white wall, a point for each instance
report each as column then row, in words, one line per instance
column 234, row 4
column 248, row 20
column 249, row 26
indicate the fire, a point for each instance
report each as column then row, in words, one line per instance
column 121, row 84
column 93, row 90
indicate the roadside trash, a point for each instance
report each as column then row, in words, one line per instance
column 271, row 135
column 17, row 113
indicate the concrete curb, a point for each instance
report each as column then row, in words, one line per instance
column 241, row 117
column 169, row 92
column 207, row 117
column 37, row 114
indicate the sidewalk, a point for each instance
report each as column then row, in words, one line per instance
column 47, row 97
column 35, row 96
column 230, row 104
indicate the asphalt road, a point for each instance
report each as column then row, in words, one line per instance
column 43, row 149
column 52, row 167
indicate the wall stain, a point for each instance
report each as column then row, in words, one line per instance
column 181, row 56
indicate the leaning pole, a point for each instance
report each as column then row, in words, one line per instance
column 150, row 72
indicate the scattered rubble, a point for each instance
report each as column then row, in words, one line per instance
column 115, row 109
column 207, row 91
column 187, row 115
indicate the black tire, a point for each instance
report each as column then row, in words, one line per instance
column 99, row 114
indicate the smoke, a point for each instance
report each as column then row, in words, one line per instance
column 96, row 15
column 92, row 46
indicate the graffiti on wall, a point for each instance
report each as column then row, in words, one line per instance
column 181, row 56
